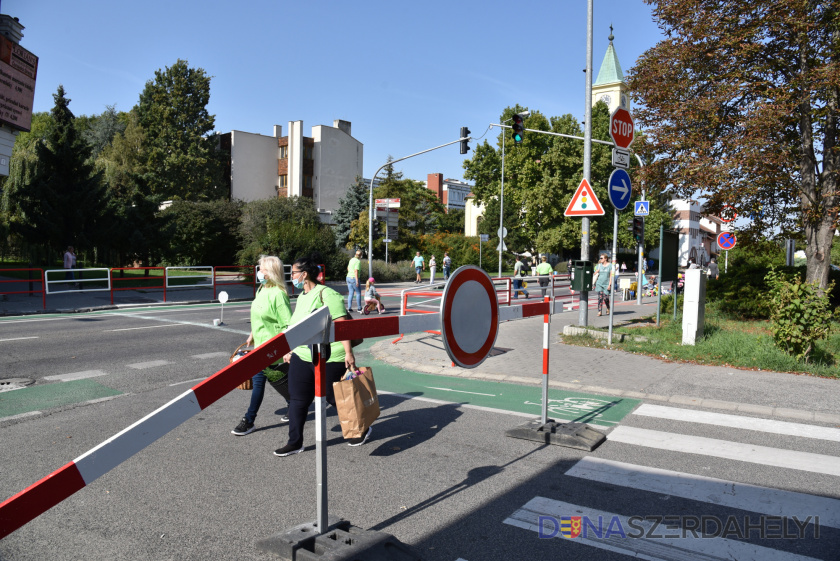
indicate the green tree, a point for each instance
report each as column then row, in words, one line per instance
column 259, row 216
column 102, row 129
column 202, row 232
column 740, row 106
column 181, row 162
column 451, row 222
column 355, row 201
column 56, row 198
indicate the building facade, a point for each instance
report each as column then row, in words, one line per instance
column 698, row 233
column 451, row 192
column 321, row 167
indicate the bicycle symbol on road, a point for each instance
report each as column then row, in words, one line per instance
column 580, row 409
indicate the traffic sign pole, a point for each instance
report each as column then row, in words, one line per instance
column 614, row 260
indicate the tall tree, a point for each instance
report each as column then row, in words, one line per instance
column 102, row 129
column 58, row 199
column 354, row 202
column 740, row 104
column 182, row 163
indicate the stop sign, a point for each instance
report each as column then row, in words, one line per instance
column 621, row 127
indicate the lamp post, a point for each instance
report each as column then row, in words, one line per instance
column 502, row 192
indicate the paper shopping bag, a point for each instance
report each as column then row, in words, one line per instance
column 357, row 403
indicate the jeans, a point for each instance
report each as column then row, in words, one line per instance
column 302, row 391
column 517, row 288
column 351, row 288
column 258, row 391
column 446, row 273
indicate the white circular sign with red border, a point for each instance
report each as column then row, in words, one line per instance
column 470, row 316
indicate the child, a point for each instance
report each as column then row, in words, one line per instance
column 372, row 296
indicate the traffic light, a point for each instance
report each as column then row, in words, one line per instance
column 518, row 129
column 465, row 141
column 638, row 229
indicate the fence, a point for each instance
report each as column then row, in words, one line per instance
column 30, row 282
column 246, row 276
column 146, row 277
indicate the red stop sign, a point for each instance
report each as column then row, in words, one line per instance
column 621, row 127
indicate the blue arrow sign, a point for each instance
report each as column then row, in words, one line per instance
column 619, row 189
column 642, row 208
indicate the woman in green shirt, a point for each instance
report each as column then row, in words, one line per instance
column 301, row 369
column 270, row 315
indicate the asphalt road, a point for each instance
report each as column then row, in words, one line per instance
column 438, row 472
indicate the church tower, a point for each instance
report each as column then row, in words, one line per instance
column 610, row 87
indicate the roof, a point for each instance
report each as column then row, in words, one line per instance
column 610, row 68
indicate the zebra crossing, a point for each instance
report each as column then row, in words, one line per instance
column 729, row 498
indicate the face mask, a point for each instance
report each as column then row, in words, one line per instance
column 297, row 282
column 261, row 277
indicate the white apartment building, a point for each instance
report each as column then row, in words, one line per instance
column 698, row 233
column 321, row 166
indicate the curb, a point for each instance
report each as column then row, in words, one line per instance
column 378, row 350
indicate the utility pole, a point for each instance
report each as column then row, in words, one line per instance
column 583, row 310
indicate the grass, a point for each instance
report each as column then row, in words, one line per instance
column 726, row 342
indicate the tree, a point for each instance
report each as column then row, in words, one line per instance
column 202, row 232
column 740, row 107
column 102, row 129
column 57, row 198
column 355, row 201
column 259, row 216
column 181, row 162
column 451, row 222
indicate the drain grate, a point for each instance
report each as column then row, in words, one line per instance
column 10, row 384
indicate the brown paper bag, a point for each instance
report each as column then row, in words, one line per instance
column 357, row 403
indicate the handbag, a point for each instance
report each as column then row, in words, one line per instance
column 356, row 403
column 237, row 354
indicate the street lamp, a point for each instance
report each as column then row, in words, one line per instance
column 523, row 114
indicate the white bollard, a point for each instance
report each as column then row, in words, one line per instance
column 694, row 306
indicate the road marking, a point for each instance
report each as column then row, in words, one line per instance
column 17, row 339
column 739, row 422
column 774, row 502
column 21, row 416
column 803, row 461
column 144, row 327
column 218, row 354
column 193, row 323
column 671, row 548
column 460, row 391
column 188, row 382
column 75, row 376
column 150, row 364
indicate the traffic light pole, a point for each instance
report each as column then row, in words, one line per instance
column 583, row 306
column 371, row 208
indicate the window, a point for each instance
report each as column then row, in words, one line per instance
column 284, row 181
column 284, row 152
column 307, row 152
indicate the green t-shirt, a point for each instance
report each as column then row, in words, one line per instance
column 310, row 301
column 353, row 268
column 270, row 315
column 544, row 268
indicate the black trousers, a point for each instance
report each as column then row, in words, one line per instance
column 302, row 393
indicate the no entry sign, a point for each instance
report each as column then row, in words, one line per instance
column 621, row 127
column 470, row 312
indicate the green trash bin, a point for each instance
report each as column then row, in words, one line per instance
column 582, row 276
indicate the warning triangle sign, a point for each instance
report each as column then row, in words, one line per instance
column 584, row 202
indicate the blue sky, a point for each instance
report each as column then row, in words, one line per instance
column 407, row 75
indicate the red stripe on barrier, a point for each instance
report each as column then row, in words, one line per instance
column 367, row 327
column 223, row 381
column 545, row 362
column 38, row 498
column 535, row 309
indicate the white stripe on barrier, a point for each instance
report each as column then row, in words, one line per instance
column 98, row 461
column 509, row 313
column 420, row 322
column 309, row 332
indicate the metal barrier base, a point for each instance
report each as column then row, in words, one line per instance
column 341, row 542
column 571, row 435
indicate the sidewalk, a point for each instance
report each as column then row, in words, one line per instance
column 517, row 358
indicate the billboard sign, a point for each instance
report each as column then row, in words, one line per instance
column 18, row 71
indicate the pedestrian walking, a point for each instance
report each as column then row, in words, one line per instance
column 544, row 270
column 270, row 315
column 447, row 265
column 623, row 267
column 432, row 269
column 301, row 369
column 714, row 270
column 518, row 275
column 353, row 284
column 419, row 267
column 69, row 263
column 601, row 282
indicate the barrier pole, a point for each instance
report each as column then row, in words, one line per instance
column 546, row 324
column 44, row 289
column 320, row 361
column 164, row 285
column 214, row 282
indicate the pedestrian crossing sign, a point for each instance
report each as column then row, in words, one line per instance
column 584, row 202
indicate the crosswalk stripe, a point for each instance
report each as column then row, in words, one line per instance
column 149, row 364
column 75, row 376
column 217, row 354
column 765, row 455
column 739, row 422
column 774, row 502
column 677, row 548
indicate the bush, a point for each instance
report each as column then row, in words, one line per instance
column 800, row 315
column 201, row 233
column 668, row 304
column 462, row 249
column 389, row 272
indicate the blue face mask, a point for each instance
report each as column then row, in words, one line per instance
column 297, row 282
column 261, row 277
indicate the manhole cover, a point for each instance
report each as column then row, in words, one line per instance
column 10, row 384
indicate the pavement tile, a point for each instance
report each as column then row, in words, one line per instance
column 720, row 404
column 827, row 418
column 794, row 413
column 635, row 395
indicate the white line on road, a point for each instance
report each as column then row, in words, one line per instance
column 76, row 376
column 670, row 548
column 764, row 455
column 17, row 339
column 739, row 422
column 774, row 502
column 144, row 327
column 192, row 381
column 217, row 354
column 459, row 391
column 149, row 364
column 193, row 323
